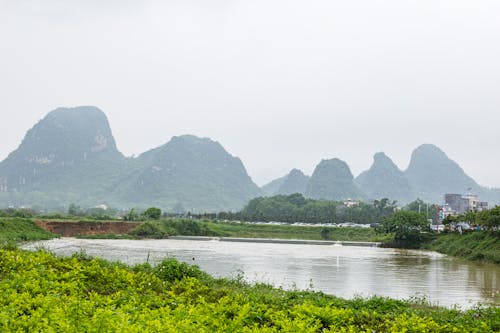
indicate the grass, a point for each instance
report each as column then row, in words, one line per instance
column 14, row 229
column 246, row 230
column 476, row 245
column 172, row 227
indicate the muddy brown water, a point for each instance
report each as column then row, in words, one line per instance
column 345, row 271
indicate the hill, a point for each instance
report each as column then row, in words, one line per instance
column 385, row 180
column 70, row 156
column 190, row 172
column 332, row 180
column 432, row 174
column 295, row 182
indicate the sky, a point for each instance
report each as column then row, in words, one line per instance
column 281, row 84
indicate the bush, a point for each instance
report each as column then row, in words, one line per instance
column 149, row 230
column 172, row 270
column 153, row 213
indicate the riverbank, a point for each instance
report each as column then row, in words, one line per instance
column 158, row 229
column 277, row 241
column 44, row 293
column 474, row 245
column 14, row 229
column 478, row 246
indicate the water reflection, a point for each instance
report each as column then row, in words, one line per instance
column 342, row 271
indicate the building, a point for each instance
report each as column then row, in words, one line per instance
column 456, row 204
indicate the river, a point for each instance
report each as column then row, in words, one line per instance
column 344, row 271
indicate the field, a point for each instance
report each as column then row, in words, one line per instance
column 162, row 228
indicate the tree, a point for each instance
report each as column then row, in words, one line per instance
column 131, row 216
column 153, row 213
column 407, row 227
column 430, row 210
column 490, row 219
column 75, row 210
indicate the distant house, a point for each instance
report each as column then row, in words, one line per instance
column 456, row 204
column 350, row 203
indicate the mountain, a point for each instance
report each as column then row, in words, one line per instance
column 196, row 173
column 273, row 187
column 70, row 156
column 432, row 174
column 295, row 182
column 385, row 180
column 332, row 180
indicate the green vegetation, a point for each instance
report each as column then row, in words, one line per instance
column 43, row 293
column 19, row 229
column 153, row 213
column 481, row 245
column 407, row 228
column 165, row 228
column 296, row 208
column 284, row 231
column 477, row 245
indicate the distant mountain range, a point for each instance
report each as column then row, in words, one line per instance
column 429, row 176
column 70, row 156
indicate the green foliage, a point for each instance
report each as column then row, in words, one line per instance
column 75, row 210
column 20, row 229
column 165, row 228
column 172, row 270
column 131, row 216
column 284, row 231
column 149, row 230
column 17, row 212
column 296, row 208
column 42, row 293
column 407, row 227
column 419, row 206
column 153, row 213
column 477, row 245
column 185, row 227
column 490, row 219
column 325, row 233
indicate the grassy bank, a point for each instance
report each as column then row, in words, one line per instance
column 164, row 228
column 14, row 229
column 43, row 293
column 477, row 245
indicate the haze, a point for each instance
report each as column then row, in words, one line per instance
column 280, row 84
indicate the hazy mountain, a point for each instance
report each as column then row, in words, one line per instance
column 432, row 174
column 196, row 173
column 295, row 182
column 384, row 180
column 332, row 180
column 70, row 156
column 273, row 187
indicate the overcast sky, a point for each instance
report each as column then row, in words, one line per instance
column 281, row 84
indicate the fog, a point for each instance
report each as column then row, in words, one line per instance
column 280, row 84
